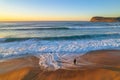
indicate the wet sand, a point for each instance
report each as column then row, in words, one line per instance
column 104, row 65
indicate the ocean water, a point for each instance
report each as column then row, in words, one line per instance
column 52, row 40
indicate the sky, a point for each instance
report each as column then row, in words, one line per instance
column 57, row 10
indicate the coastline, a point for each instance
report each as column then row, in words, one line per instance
column 27, row 68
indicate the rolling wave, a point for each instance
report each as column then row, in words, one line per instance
column 57, row 28
column 35, row 28
column 74, row 37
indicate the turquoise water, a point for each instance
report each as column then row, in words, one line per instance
column 56, row 38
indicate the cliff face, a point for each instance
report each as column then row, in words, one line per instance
column 105, row 19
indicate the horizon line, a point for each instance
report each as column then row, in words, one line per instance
column 44, row 20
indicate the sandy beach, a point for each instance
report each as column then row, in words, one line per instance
column 105, row 67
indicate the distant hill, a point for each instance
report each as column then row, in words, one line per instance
column 105, row 19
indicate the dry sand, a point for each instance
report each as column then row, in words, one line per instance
column 27, row 68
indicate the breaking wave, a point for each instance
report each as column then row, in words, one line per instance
column 74, row 37
column 65, row 46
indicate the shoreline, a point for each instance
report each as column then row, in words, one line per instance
column 28, row 68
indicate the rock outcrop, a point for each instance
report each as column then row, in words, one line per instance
column 105, row 19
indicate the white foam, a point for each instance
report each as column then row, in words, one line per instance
column 63, row 46
column 47, row 62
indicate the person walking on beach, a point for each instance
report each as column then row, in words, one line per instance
column 75, row 61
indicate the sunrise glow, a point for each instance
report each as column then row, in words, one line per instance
column 66, row 10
